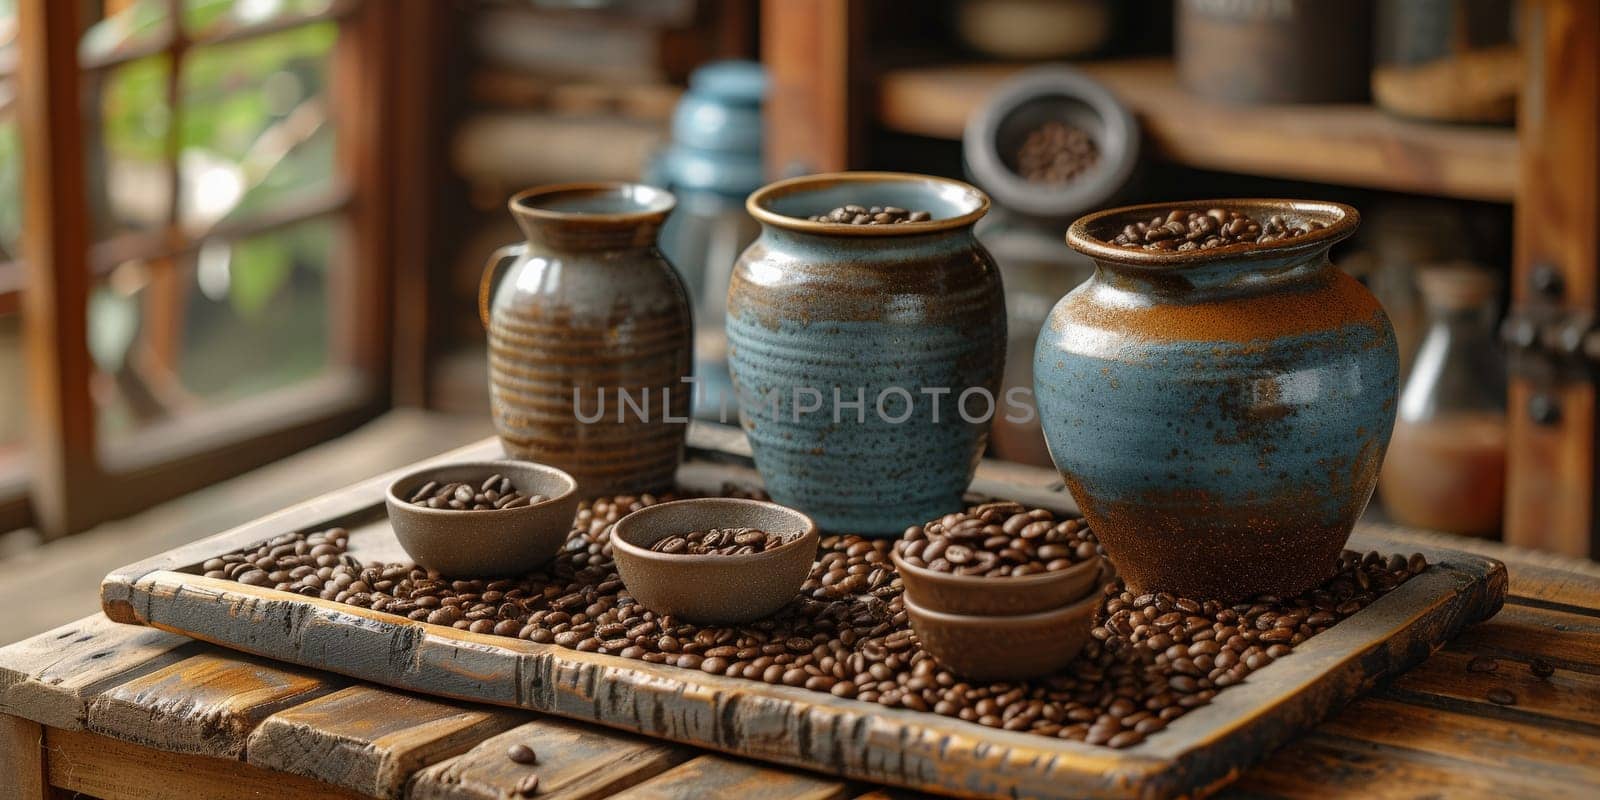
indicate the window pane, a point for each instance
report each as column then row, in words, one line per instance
column 204, row 16
column 130, row 183
column 10, row 185
column 230, row 321
column 127, row 25
column 8, row 36
column 255, row 123
column 13, row 398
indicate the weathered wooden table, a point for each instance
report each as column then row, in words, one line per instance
column 118, row 711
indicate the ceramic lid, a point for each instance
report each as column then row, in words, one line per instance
column 996, row 131
column 722, row 109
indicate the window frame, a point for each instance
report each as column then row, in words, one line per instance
column 72, row 480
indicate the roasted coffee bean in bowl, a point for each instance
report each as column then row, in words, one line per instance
column 483, row 518
column 1014, row 647
column 998, row 558
column 685, row 559
column 720, row 542
column 492, row 493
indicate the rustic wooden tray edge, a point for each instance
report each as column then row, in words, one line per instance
column 860, row 740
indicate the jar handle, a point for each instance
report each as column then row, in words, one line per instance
column 493, row 272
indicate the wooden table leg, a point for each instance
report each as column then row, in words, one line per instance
column 22, row 759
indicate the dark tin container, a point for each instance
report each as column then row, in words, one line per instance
column 869, row 313
column 1275, row 51
column 590, row 337
column 1219, row 415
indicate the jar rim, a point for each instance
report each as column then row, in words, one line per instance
column 1090, row 234
column 760, row 203
column 635, row 202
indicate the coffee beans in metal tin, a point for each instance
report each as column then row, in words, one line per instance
column 1056, row 153
column 490, row 494
column 1202, row 230
column 721, row 542
column 1151, row 658
column 998, row 539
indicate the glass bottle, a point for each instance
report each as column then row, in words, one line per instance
column 1446, row 464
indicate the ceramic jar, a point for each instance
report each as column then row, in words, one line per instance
column 1219, row 415
column 866, row 359
column 590, row 337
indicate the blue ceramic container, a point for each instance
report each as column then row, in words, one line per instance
column 1219, row 415
column 905, row 319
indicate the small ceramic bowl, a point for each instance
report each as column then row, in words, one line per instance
column 979, row 595
column 505, row 541
column 1004, row 648
column 713, row 589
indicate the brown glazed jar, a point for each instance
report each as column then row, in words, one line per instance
column 590, row 337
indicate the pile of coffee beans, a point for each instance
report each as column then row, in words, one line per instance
column 1196, row 230
column 871, row 215
column 721, row 542
column 1151, row 658
column 1056, row 153
column 998, row 539
column 489, row 494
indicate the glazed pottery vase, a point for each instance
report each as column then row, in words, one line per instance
column 866, row 359
column 590, row 337
column 1218, row 414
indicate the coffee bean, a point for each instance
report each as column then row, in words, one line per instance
column 1152, row 658
column 1196, row 230
column 998, row 540
column 1502, row 697
column 1541, row 668
column 495, row 492
column 1482, row 664
column 528, row 786
column 522, row 754
column 722, row 542
column 1056, row 153
column 874, row 215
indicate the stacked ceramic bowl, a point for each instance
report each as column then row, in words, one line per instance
column 999, row 592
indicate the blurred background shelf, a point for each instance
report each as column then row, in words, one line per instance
column 1344, row 144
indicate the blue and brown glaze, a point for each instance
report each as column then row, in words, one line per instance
column 863, row 310
column 585, row 309
column 1219, row 415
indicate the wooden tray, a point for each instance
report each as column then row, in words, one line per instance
column 1197, row 752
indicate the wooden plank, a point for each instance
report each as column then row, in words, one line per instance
column 206, row 704
column 576, row 762
column 1519, row 634
column 1355, row 144
column 22, row 759
column 713, row 776
column 112, row 769
column 1550, row 467
column 55, row 243
column 1566, row 696
column 1320, row 765
column 1560, row 756
column 51, row 677
column 370, row 740
column 811, row 118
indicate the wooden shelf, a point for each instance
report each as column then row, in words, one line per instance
column 1352, row 145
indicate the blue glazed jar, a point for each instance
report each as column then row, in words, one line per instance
column 1219, row 414
column 866, row 358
